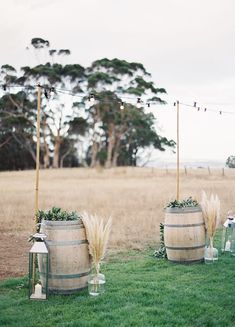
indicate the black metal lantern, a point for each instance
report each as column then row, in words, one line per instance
column 38, row 268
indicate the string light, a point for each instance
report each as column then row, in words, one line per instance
column 122, row 105
column 138, row 105
column 52, row 92
column 91, row 98
column 49, row 92
column 47, row 95
column 206, row 109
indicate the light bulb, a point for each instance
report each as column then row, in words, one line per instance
column 91, row 98
column 122, row 106
column 138, row 103
column 52, row 92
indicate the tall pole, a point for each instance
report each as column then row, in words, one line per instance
column 178, row 157
column 37, row 154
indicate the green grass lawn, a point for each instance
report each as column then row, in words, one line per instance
column 140, row 291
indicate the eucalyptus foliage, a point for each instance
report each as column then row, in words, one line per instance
column 190, row 202
column 57, row 214
column 161, row 252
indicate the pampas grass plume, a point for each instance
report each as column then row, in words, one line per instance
column 97, row 235
column 211, row 212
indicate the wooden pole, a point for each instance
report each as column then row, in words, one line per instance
column 37, row 177
column 178, row 159
column 37, row 155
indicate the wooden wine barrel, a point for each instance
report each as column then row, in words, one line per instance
column 184, row 235
column 69, row 262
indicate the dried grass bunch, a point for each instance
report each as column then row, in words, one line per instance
column 211, row 213
column 98, row 235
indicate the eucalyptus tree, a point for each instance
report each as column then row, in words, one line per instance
column 55, row 116
column 230, row 162
column 17, row 114
column 119, row 79
column 17, row 128
column 112, row 126
column 102, row 118
column 56, row 113
column 139, row 134
column 77, row 132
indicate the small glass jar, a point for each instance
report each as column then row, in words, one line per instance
column 96, row 284
column 211, row 254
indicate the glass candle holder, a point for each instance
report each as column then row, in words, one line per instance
column 96, row 284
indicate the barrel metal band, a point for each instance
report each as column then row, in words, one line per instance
column 185, row 247
column 69, row 276
column 66, row 291
column 64, row 228
column 184, row 225
column 62, row 243
column 183, row 211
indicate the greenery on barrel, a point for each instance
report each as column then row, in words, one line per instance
column 161, row 252
column 57, row 214
column 190, row 202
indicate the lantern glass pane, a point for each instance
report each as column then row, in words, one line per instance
column 228, row 236
column 38, row 276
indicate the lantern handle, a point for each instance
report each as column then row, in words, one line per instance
column 37, row 236
column 38, row 224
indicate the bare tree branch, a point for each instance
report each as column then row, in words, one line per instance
column 5, row 142
column 26, row 144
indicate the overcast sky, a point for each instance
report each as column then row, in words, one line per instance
column 187, row 45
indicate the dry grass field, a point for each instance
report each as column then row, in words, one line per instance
column 134, row 197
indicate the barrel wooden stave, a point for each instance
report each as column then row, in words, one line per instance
column 69, row 265
column 184, row 235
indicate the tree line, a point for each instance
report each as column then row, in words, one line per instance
column 84, row 121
